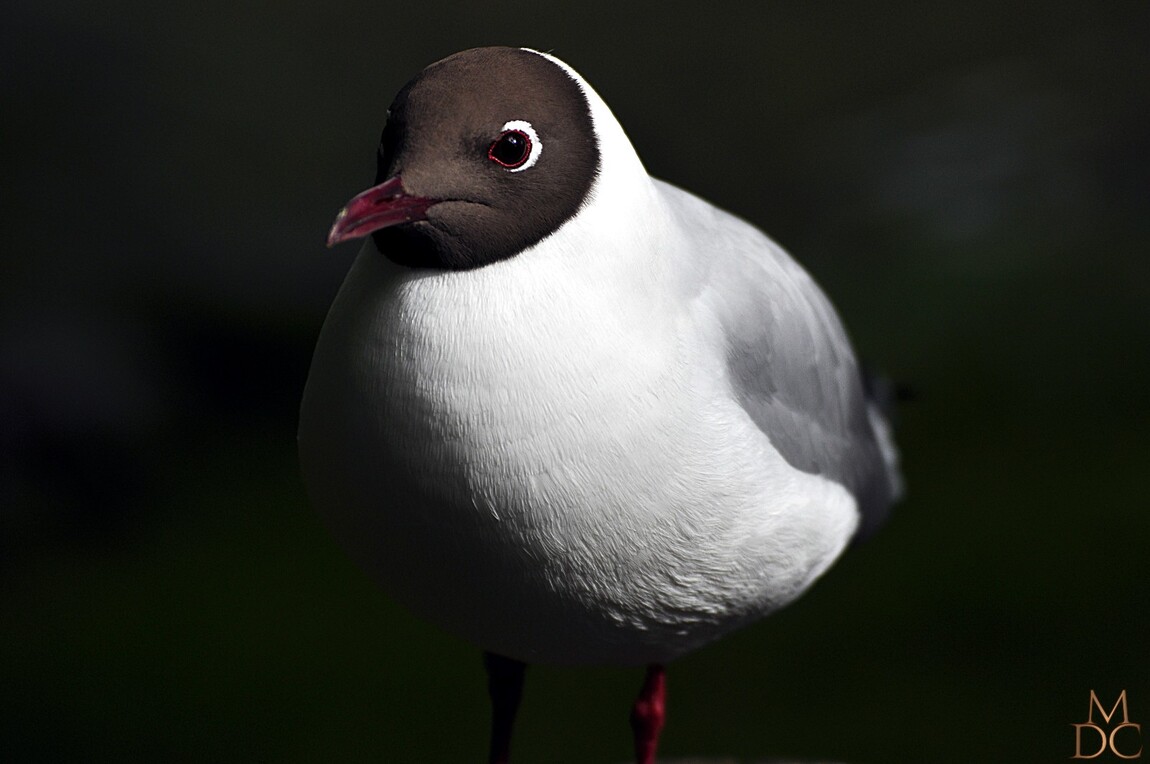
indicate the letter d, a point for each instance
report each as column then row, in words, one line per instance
column 1078, row 741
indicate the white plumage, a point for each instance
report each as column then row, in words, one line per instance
column 553, row 455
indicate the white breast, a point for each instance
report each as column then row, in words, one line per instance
column 535, row 459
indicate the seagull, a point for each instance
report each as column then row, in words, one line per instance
column 569, row 412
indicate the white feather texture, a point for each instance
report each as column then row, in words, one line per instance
column 545, row 456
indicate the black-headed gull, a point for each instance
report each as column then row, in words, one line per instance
column 570, row 412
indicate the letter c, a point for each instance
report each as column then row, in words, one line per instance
column 1114, row 747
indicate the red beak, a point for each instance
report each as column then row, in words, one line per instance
column 378, row 207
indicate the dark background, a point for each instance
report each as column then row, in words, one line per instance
column 968, row 181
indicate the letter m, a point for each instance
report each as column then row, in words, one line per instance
column 1095, row 703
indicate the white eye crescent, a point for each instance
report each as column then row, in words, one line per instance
column 518, row 146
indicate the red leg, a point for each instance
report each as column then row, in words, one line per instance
column 648, row 713
column 505, row 686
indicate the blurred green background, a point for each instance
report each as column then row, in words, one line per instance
column 968, row 181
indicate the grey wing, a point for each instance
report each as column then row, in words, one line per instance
column 792, row 367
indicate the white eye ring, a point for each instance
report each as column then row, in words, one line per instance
column 536, row 144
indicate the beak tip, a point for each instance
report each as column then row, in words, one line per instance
column 336, row 234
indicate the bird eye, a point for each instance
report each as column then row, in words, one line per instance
column 511, row 149
column 517, row 147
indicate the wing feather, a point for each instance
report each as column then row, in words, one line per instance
column 789, row 360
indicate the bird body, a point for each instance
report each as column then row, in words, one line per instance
column 613, row 445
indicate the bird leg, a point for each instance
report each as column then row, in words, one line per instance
column 648, row 713
column 505, row 687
